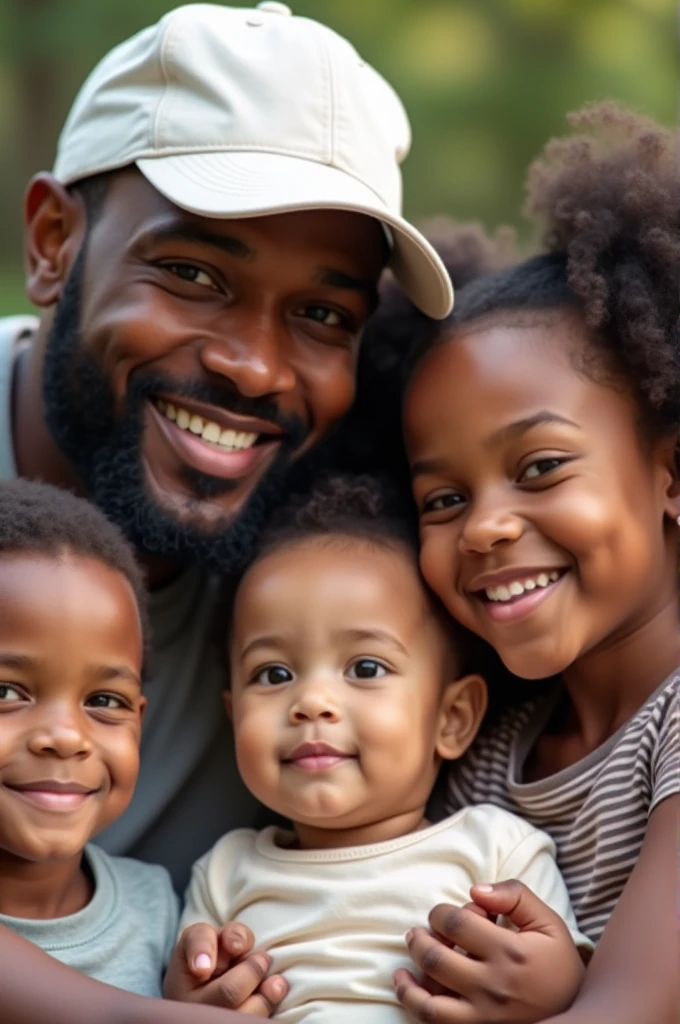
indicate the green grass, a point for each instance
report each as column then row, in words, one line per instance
column 12, row 295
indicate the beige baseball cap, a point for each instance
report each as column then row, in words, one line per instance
column 235, row 112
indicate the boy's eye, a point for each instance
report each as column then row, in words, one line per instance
column 273, row 675
column 106, row 701
column 10, row 694
column 367, row 668
column 540, row 467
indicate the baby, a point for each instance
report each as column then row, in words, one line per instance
column 349, row 690
column 72, row 636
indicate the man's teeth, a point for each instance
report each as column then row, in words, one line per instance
column 515, row 589
column 206, row 429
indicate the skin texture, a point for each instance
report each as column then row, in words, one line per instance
column 596, row 498
column 70, row 713
column 267, row 312
column 334, row 641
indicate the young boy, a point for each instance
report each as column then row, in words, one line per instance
column 349, row 690
column 72, row 637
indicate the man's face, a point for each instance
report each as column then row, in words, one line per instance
column 191, row 360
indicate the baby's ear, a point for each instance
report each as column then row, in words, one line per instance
column 463, row 706
column 228, row 704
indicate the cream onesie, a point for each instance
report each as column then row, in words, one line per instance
column 334, row 921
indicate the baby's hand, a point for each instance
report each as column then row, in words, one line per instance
column 479, row 973
column 217, row 968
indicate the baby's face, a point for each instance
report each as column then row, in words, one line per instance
column 339, row 674
column 70, row 702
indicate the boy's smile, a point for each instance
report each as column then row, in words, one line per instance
column 343, row 696
column 70, row 703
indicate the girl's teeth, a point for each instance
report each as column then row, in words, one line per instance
column 206, row 429
column 542, row 580
column 516, row 589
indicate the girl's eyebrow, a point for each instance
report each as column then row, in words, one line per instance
column 512, row 430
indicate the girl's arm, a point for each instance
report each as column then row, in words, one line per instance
column 633, row 976
column 35, row 988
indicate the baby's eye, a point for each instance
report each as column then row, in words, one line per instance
column 540, row 467
column 10, row 694
column 367, row 668
column 273, row 675
column 443, row 501
column 106, row 701
column 193, row 274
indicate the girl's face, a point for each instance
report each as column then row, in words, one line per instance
column 546, row 519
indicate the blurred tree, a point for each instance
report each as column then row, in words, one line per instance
column 485, row 82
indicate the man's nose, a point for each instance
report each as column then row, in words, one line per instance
column 256, row 354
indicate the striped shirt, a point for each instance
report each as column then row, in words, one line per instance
column 595, row 810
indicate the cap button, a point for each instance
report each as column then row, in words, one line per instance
column 272, row 7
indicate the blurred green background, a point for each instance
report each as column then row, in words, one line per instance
column 486, row 83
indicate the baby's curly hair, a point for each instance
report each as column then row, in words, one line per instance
column 608, row 200
column 36, row 518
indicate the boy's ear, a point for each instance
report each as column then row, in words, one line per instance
column 463, row 706
column 142, row 707
column 228, row 704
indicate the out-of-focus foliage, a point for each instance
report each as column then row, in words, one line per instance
column 485, row 82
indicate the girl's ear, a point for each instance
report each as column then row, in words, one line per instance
column 669, row 459
column 228, row 704
column 463, row 706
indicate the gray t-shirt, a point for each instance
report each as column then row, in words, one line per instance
column 124, row 936
column 189, row 792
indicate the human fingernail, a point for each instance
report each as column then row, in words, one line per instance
column 484, row 888
column 203, row 962
column 409, row 935
column 236, row 943
column 279, row 989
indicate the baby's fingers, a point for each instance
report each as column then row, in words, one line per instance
column 265, row 1001
column 239, row 983
column 433, row 1009
column 198, row 948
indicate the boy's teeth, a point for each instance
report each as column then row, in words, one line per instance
column 206, row 429
column 516, row 589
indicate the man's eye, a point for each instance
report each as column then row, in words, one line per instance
column 366, row 668
column 323, row 315
column 442, row 501
column 540, row 467
column 106, row 701
column 10, row 694
column 273, row 675
column 191, row 273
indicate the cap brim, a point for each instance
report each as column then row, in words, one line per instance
column 255, row 184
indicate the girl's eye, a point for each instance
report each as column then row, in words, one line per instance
column 10, row 694
column 273, row 675
column 540, row 467
column 191, row 273
column 106, row 702
column 440, row 502
column 367, row 668
column 323, row 315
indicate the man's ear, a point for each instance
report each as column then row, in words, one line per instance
column 55, row 227
column 228, row 704
column 463, row 706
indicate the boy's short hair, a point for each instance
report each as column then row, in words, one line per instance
column 36, row 518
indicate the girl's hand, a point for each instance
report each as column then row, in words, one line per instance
column 218, row 968
column 479, row 973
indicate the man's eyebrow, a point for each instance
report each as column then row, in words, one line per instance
column 381, row 635
column 178, row 232
column 519, row 427
column 347, row 282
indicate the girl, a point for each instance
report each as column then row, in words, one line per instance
column 542, row 431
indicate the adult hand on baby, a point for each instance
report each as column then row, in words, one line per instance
column 479, row 973
column 218, row 968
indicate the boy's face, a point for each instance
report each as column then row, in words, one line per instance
column 70, row 702
column 343, row 693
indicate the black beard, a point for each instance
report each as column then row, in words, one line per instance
column 105, row 448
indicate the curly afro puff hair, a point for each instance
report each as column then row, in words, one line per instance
column 369, row 439
column 36, row 518
column 608, row 200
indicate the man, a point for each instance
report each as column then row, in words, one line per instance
column 225, row 196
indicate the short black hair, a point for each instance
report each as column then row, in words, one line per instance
column 609, row 203
column 373, row 509
column 36, row 518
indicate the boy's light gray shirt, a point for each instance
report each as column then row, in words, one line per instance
column 124, row 936
column 189, row 791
